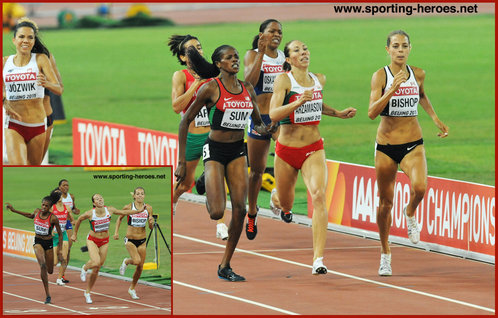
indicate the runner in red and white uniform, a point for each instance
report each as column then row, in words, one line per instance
column 396, row 91
column 25, row 75
column 97, row 240
column 297, row 102
column 61, row 212
column 135, row 236
column 68, row 200
column 230, row 104
column 44, row 221
column 185, row 85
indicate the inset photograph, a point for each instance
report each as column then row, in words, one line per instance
column 86, row 239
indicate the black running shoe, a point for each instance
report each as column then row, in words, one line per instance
column 251, row 227
column 64, row 280
column 48, row 300
column 227, row 274
column 286, row 216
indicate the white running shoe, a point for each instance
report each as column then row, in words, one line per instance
column 222, row 231
column 122, row 268
column 318, row 267
column 83, row 274
column 385, row 265
column 274, row 209
column 412, row 227
column 87, row 298
column 133, row 294
column 60, row 282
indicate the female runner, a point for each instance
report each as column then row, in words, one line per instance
column 135, row 236
column 68, row 200
column 396, row 91
column 44, row 221
column 185, row 84
column 262, row 65
column 229, row 103
column 297, row 102
column 25, row 76
column 98, row 238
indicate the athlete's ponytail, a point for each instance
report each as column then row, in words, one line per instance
column 286, row 66
column 262, row 29
column 177, row 43
column 39, row 47
column 202, row 67
column 55, row 196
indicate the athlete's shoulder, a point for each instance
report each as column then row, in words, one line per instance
column 419, row 73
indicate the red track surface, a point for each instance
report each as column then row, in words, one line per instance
column 277, row 266
column 23, row 294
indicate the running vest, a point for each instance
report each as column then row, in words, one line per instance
column 61, row 215
column 42, row 226
column 231, row 111
column 201, row 119
column 405, row 100
column 270, row 69
column 20, row 81
column 100, row 224
column 139, row 219
column 68, row 202
column 309, row 113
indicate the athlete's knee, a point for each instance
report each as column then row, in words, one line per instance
column 418, row 189
column 239, row 210
column 43, row 267
column 318, row 196
column 255, row 173
column 216, row 214
column 135, row 261
column 385, row 206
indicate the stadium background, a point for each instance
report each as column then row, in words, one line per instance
column 124, row 75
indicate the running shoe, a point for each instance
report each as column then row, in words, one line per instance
column 273, row 208
column 133, row 294
column 83, row 274
column 122, row 268
column 60, row 282
column 286, row 216
column 226, row 273
column 87, row 298
column 48, row 300
column 64, row 280
column 222, row 231
column 412, row 227
column 318, row 267
column 252, row 226
column 385, row 265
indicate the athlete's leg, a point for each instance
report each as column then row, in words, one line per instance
column 62, row 268
column 40, row 257
column 214, row 173
column 138, row 271
column 285, row 182
column 35, row 149
column 17, row 151
column 257, row 151
column 314, row 171
column 385, row 169
column 414, row 165
column 134, row 256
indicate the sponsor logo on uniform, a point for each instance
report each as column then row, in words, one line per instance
column 30, row 76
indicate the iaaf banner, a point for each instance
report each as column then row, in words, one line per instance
column 103, row 143
column 453, row 213
column 18, row 242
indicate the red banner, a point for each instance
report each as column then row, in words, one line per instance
column 102, row 143
column 18, row 242
column 453, row 213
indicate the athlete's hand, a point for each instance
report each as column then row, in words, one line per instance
column 263, row 43
column 180, row 173
column 444, row 129
column 399, row 79
column 272, row 128
column 115, row 236
column 73, row 237
column 11, row 113
column 9, row 206
column 41, row 79
column 307, row 96
column 261, row 129
column 349, row 112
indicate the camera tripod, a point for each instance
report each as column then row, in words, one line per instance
column 154, row 230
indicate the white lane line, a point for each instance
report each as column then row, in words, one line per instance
column 41, row 302
column 93, row 293
column 463, row 303
column 236, row 298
